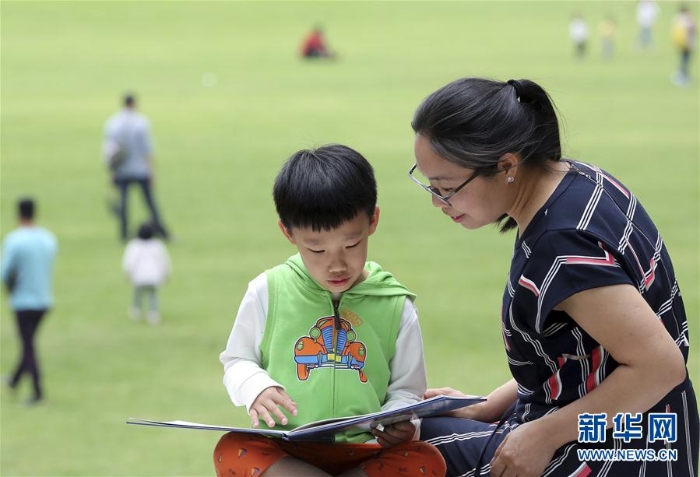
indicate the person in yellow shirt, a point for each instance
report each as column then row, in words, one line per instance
column 684, row 33
column 608, row 28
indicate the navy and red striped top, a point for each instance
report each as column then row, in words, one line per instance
column 592, row 232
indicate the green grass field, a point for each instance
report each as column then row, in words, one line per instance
column 64, row 68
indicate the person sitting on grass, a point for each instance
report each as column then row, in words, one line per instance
column 315, row 45
column 326, row 334
column 592, row 318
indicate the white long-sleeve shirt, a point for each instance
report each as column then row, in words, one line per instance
column 245, row 379
column 146, row 262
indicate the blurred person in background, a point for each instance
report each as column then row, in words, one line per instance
column 128, row 149
column 146, row 263
column 592, row 319
column 684, row 35
column 608, row 28
column 578, row 32
column 28, row 255
column 315, row 45
column 647, row 11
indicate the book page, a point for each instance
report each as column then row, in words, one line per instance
column 429, row 407
column 206, row 427
column 325, row 429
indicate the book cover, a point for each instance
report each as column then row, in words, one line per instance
column 325, row 429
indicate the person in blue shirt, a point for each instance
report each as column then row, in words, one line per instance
column 28, row 255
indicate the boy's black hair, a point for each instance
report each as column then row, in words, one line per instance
column 325, row 187
column 146, row 231
column 26, row 208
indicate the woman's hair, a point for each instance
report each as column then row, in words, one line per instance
column 324, row 188
column 473, row 122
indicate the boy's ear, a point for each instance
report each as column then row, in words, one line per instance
column 287, row 233
column 374, row 221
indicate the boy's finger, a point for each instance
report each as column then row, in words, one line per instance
column 288, row 403
column 265, row 415
column 254, row 418
column 381, row 435
column 290, row 406
column 385, row 442
column 393, row 434
column 280, row 416
column 403, row 426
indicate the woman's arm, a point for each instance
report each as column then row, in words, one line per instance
column 491, row 410
column 650, row 365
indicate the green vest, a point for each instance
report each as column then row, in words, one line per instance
column 332, row 358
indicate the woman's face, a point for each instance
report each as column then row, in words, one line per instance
column 480, row 202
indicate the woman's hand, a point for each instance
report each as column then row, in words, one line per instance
column 523, row 453
column 444, row 392
column 267, row 405
column 477, row 412
column 395, row 433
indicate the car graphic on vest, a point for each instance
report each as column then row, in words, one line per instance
column 316, row 350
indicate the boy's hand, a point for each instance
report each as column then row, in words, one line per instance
column 266, row 405
column 395, row 433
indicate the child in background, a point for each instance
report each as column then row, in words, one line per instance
column 608, row 28
column 326, row 334
column 647, row 11
column 578, row 32
column 147, row 264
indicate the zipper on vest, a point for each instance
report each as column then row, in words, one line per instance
column 336, row 325
column 335, row 351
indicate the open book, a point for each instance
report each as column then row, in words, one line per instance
column 325, row 429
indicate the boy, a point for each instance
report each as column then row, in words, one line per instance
column 326, row 334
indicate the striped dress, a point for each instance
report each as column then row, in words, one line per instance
column 592, row 232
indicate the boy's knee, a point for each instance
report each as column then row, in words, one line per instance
column 430, row 455
column 228, row 446
column 411, row 458
column 244, row 454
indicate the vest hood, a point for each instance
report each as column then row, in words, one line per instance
column 377, row 283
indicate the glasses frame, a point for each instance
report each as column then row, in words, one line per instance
column 431, row 190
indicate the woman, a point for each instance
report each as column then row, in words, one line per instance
column 592, row 317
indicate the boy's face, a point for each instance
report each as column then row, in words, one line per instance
column 335, row 258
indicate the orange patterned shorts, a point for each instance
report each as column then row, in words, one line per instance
column 246, row 455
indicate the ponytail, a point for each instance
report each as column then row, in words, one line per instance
column 473, row 122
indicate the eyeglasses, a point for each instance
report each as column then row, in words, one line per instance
column 434, row 191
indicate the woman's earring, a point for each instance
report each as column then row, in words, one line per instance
column 510, row 179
